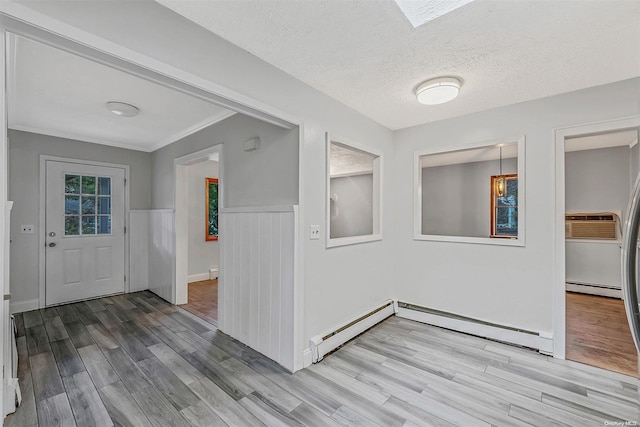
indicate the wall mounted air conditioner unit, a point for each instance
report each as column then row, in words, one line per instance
column 601, row 225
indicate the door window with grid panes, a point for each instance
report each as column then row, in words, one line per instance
column 87, row 205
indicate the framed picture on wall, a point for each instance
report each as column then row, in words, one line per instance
column 211, row 208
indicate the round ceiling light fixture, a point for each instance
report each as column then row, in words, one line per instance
column 438, row 91
column 122, row 109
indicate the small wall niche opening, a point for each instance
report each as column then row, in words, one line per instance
column 472, row 195
column 354, row 193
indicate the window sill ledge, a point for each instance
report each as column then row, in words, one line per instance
column 473, row 240
column 353, row 240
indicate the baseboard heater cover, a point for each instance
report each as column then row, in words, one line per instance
column 611, row 291
column 324, row 344
column 536, row 340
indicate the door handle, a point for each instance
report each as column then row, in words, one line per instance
column 51, row 245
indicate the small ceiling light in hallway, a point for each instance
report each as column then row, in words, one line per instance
column 122, row 109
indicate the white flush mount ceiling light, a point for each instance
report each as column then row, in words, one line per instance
column 438, row 91
column 420, row 12
column 122, row 109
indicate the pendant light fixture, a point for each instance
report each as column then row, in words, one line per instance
column 500, row 182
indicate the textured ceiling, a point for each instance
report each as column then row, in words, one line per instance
column 366, row 54
column 60, row 94
column 347, row 160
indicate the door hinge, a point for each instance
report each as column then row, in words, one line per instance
column 125, row 229
column 125, row 181
column 125, row 277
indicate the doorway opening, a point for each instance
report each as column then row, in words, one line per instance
column 198, row 199
column 600, row 169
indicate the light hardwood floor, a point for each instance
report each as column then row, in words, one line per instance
column 598, row 333
column 136, row 360
column 203, row 300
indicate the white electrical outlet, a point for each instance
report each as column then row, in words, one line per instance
column 26, row 229
column 314, row 232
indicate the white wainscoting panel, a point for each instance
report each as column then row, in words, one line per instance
column 139, row 250
column 161, row 253
column 256, row 291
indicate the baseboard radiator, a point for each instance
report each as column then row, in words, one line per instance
column 611, row 291
column 506, row 334
column 324, row 344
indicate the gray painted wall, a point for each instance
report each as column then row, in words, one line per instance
column 456, row 199
column 267, row 176
column 24, row 189
column 203, row 254
column 352, row 212
column 598, row 180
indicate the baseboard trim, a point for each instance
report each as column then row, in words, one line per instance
column 542, row 342
column 198, row 277
column 135, row 288
column 22, row 306
column 323, row 344
column 307, row 358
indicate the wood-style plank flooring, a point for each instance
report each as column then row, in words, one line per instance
column 135, row 360
column 203, row 300
column 598, row 333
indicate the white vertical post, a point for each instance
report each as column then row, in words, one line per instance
column 4, row 238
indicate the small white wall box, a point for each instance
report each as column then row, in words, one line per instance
column 252, row 144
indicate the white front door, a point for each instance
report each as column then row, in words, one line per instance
column 84, row 231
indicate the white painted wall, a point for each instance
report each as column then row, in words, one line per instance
column 203, row 254
column 352, row 211
column 593, row 263
column 456, row 199
column 24, row 188
column 465, row 278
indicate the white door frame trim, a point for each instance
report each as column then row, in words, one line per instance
column 42, row 219
column 559, row 273
column 181, row 235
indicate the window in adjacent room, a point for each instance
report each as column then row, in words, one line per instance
column 504, row 207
